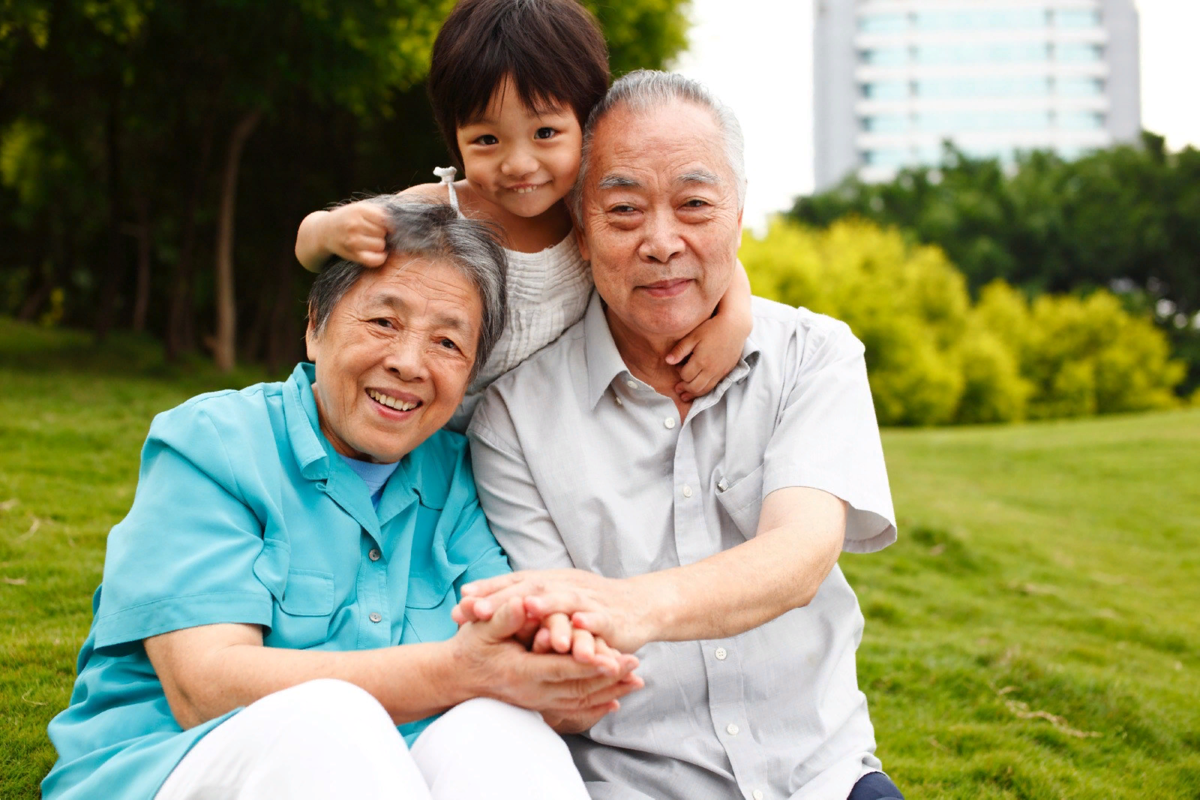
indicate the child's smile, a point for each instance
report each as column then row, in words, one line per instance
column 522, row 159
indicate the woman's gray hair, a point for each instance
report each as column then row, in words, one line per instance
column 435, row 231
column 645, row 89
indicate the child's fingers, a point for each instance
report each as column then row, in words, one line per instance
column 691, row 370
column 701, row 385
column 559, row 626
column 541, row 641
column 682, row 349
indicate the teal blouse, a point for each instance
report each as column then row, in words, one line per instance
column 245, row 514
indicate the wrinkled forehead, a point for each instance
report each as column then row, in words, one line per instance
column 675, row 142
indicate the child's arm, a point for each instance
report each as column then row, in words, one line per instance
column 716, row 344
column 356, row 232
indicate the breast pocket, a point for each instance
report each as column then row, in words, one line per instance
column 742, row 499
column 302, row 616
column 430, row 600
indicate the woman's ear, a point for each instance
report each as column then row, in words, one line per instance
column 311, row 346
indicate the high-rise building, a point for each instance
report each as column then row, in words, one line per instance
column 895, row 78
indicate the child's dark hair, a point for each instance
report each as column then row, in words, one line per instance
column 553, row 50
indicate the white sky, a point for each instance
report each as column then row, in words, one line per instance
column 757, row 56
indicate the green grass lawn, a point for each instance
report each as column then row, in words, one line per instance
column 1034, row 633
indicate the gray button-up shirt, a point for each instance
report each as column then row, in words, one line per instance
column 580, row 464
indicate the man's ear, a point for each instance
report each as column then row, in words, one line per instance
column 581, row 240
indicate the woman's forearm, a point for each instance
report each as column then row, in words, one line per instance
column 211, row 670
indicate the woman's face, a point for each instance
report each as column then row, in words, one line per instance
column 395, row 357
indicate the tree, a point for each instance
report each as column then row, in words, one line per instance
column 142, row 133
column 1127, row 218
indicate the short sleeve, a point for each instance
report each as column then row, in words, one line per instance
column 827, row 436
column 508, row 493
column 185, row 554
column 472, row 541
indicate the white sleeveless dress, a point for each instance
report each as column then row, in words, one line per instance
column 547, row 293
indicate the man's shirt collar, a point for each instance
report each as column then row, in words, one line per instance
column 604, row 362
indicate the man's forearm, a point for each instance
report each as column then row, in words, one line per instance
column 739, row 589
column 799, row 539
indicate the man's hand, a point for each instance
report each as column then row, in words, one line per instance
column 568, row 690
column 618, row 611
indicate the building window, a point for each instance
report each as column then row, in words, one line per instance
column 1076, row 53
column 895, row 157
column 1080, row 87
column 1064, row 18
column 885, row 90
column 980, row 19
column 886, row 56
column 984, row 86
column 982, row 53
column 886, row 123
column 883, row 23
column 1080, row 120
column 949, row 122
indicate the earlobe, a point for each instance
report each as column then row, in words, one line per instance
column 310, row 342
column 581, row 240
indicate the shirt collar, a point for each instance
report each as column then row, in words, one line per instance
column 604, row 362
column 313, row 451
column 303, row 425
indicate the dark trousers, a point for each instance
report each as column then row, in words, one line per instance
column 875, row 786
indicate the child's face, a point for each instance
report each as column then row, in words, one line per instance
column 520, row 159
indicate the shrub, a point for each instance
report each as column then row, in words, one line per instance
column 934, row 359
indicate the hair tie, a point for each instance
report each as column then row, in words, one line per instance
column 447, row 175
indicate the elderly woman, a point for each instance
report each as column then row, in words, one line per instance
column 278, row 599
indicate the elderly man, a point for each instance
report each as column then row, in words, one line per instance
column 704, row 535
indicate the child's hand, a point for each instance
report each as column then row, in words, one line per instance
column 356, row 232
column 711, row 350
column 715, row 346
column 556, row 635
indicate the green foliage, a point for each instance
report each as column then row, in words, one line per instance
column 933, row 358
column 644, row 34
column 1127, row 217
column 1027, row 636
column 117, row 118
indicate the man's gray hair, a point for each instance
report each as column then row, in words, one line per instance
column 434, row 231
column 645, row 89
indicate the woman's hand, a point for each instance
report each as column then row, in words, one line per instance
column 570, row 690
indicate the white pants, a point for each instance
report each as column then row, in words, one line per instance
column 331, row 739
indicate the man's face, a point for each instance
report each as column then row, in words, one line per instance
column 395, row 357
column 660, row 219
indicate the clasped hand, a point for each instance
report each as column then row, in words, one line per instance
column 594, row 620
column 571, row 677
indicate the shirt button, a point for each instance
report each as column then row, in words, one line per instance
column 723, row 485
column 720, row 653
column 687, row 490
column 732, row 729
column 669, row 422
column 374, row 555
column 632, row 384
column 376, row 617
column 757, row 794
column 620, row 402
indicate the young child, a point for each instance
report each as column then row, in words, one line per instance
column 512, row 83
